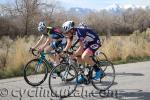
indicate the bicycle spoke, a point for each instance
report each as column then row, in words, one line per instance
column 35, row 73
column 59, row 84
column 107, row 80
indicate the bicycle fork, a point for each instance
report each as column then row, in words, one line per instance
column 64, row 76
column 37, row 67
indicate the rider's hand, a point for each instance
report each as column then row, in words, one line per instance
column 40, row 49
column 31, row 49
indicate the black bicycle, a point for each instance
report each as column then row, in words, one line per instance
column 60, row 87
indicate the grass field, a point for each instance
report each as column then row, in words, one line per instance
column 120, row 49
column 126, row 47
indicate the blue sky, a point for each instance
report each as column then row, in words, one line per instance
column 97, row 4
column 100, row 4
column 6, row 1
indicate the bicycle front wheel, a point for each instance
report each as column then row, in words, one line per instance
column 35, row 72
column 58, row 80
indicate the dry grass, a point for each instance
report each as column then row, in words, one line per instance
column 117, row 47
column 135, row 45
column 17, row 56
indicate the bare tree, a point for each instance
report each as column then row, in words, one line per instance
column 27, row 9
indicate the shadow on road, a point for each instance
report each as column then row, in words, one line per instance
column 130, row 74
column 127, row 94
column 135, row 94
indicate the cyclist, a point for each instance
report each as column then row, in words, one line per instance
column 82, row 25
column 54, row 37
column 89, row 43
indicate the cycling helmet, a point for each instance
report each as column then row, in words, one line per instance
column 82, row 25
column 68, row 25
column 41, row 27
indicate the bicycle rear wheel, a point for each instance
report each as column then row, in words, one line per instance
column 59, row 85
column 100, row 56
column 108, row 76
column 35, row 72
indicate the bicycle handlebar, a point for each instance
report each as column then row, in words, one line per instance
column 73, row 48
column 33, row 51
column 36, row 52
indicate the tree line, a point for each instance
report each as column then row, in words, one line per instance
column 21, row 17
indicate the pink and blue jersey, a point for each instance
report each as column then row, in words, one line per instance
column 90, row 39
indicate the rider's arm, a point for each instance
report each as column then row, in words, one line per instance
column 75, row 43
column 39, row 42
column 69, row 43
column 81, row 45
column 46, row 43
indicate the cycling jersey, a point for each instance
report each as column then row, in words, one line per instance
column 90, row 39
column 54, row 33
column 87, row 35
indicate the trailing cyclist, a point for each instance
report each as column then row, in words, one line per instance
column 54, row 40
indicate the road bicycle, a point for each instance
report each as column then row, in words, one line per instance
column 36, row 70
column 61, row 87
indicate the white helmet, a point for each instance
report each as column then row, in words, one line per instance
column 41, row 27
column 68, row 25
column 82, row 25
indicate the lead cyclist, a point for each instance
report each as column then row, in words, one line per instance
column 89, row 43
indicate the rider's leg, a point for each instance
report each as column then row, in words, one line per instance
column 48, row 49
column 53, row 58
column 86, row 57
column 79, row 52
column 89, row 51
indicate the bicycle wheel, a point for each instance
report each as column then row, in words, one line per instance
column 72, row 75
column 59, row 85
column 101, row 56
column 108, row 76
column 35, row 72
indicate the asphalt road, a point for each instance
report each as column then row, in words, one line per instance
column 132, row 82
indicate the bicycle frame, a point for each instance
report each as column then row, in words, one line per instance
column 43, row 58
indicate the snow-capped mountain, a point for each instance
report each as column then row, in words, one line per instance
column 80, row 11
column 116, row 8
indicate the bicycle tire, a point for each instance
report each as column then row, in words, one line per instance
column 51, row 81
column 99, row 59
column 26, row 76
